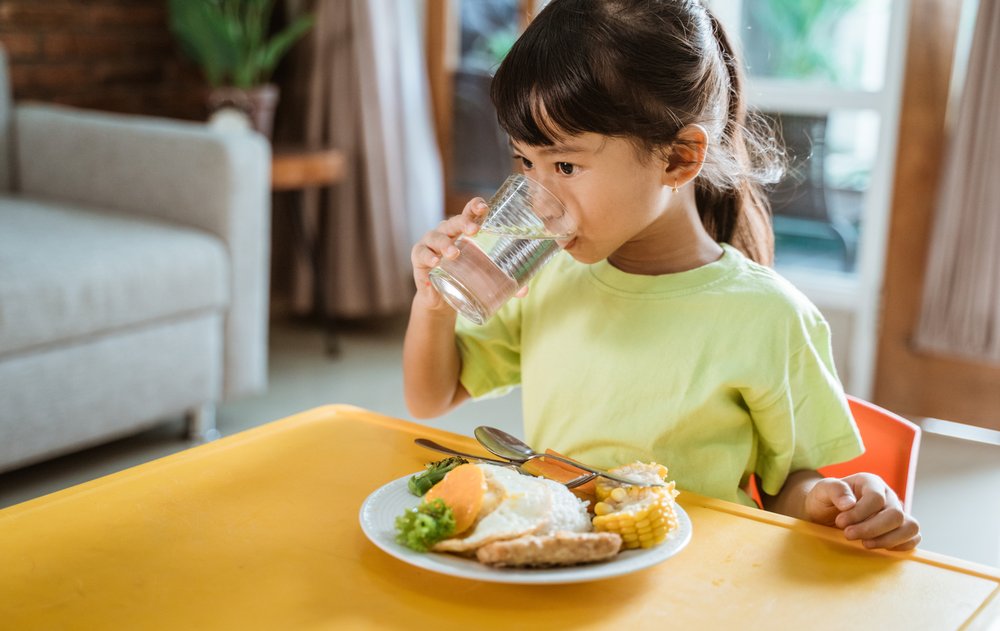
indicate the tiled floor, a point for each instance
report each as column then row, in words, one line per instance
column 957, row 496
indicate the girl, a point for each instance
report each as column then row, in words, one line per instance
column 659, row 333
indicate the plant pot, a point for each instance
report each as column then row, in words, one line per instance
column 257, row 103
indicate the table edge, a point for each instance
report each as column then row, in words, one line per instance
column 339, row 412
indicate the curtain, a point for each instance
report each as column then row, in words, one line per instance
column 960, row 314
column 358, row 82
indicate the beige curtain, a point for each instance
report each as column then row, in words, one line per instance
column 358, row 82
column 961, row 305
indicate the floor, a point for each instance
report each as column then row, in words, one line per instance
column 957, row 498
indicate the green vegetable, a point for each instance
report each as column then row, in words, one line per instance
column 421, row 527
column 423, row 481
column 232, row 39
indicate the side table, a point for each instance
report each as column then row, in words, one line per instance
column 298, row 169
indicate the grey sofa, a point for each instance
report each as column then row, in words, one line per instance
column 133, row 275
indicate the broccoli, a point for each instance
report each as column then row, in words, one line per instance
column 421, row 527
column 423, row 481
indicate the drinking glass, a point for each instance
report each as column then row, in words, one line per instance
column 521, row 232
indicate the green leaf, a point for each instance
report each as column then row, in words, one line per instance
column 275, row 49
column 230, row 39
column 204, row 36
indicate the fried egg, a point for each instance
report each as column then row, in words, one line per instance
column 568, row 513
column 515, row 505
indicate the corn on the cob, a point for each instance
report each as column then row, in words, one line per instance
column 643, row 516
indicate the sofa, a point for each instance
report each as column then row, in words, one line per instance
column 134, row 258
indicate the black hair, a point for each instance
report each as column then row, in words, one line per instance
column 643, row 70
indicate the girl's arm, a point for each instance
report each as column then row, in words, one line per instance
column 862, row 505
column 791, row 500
column 431, row 362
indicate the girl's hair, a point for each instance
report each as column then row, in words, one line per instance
column 643, row 70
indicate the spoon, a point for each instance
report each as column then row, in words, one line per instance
column 430, row 444
column 504, row 445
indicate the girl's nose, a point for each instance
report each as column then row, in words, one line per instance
column 549, row 182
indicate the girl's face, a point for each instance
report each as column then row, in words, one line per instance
column 620, row 203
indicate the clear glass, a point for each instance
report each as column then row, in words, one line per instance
column 525, row 227
column 840, row 42
column 818, row 206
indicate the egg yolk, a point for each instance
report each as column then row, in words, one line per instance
column 462, row 490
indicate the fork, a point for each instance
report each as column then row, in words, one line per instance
column 580, row 481
column 427, row 443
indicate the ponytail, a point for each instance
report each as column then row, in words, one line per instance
column 602, row 67
column 738, row 214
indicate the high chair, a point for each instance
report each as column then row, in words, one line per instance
column 891, row 446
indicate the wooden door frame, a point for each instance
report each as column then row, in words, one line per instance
column 908, row 380
column 441, row 43
column 442, row 58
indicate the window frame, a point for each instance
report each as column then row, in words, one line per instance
column 857, row 292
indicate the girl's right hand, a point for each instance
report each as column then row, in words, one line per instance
column 439, row 244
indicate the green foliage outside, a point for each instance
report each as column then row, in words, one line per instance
column 799, row 34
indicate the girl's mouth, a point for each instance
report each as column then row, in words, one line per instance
column 568, row 245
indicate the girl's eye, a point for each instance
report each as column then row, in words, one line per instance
column 524, row 161
column 565, row 168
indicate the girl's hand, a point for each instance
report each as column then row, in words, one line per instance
column 439, row 244
column 865, row 508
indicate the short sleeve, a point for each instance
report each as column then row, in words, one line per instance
column 806, row 423
column 491, row 353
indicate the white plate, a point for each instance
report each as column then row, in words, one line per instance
column 378, row 521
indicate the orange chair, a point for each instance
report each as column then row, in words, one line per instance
column 891, row 446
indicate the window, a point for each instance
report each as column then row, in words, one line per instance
column 820, row 69
column 830, row 73
column 843, row 43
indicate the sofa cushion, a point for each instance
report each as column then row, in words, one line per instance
column 68, row 272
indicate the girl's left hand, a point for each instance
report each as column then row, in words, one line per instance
column 865, row 508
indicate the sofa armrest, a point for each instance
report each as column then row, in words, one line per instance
column 177, row 171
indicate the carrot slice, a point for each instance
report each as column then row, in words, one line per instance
column 462, row 490
column 561, row 472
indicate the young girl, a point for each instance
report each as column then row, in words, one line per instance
column 659, row 333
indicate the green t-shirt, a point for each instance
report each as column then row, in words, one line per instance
column 717, row 372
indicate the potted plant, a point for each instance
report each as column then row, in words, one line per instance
column 232, row 42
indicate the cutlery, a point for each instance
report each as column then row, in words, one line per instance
column 430, row 444
column 500, row 443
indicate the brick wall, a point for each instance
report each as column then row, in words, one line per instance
column 115, row 55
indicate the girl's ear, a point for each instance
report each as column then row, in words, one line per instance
column 687, row 156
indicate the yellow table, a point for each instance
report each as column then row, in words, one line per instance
column 260, row 530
